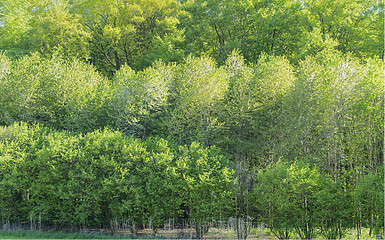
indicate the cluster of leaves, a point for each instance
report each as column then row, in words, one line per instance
column 111, row 34
column 305, row 85
column 62, row 94
column 291, row 28
column 107, row 33
column 104, row 177
column 297, row 198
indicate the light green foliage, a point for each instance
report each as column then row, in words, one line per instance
column 239, row 105
column 292, row 28
column 44, row 26
column 56, row 28
column 356, row 27
column 369, row 201
column 49, row 200
column 104, row 177
column 62, row 94
column 132, row 33
column 167, row 48
column 139, row 97
column 15, row 19
column 264, row 80
column 206, row 182
column 274, row 77
column 5, row 66
column 200, row 21
column 160, row 182
column 16, row 92
column 366, row 127
column 303, row 181
column 271, row 196
column 322, row 113
column 252, row 103
column 65, row 179
column 197, row 88
column 278, row 26
column 109, row 170
column 334, row 208
column 286, row 196
column 18, row 146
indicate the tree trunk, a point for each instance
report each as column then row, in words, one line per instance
column 201, row 229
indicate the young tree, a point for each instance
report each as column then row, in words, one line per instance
column 197, row 88
column 286, row 194
column 43, row 26
column 334, row 208
column 252, row 107
column 206, row 179
column 19, row 144
column 322, row 114
column 271, row 197
column 139, row 98
column 127, row 32
column 369, row 203
column 62, row 94
column 162, row 199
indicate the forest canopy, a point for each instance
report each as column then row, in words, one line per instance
column 138, row 112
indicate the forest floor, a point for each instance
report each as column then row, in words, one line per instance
column 187, row 233
column 214, row 233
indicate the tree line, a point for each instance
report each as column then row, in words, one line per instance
column 297, row 147
column 133, row 113
column 110, row 33
column 105, row 178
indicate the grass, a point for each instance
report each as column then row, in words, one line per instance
column 352, row 234
column 256, row 233
column 27, row 234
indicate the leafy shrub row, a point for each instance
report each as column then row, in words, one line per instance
column 104, row 178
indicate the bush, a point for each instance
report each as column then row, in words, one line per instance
column 104, row 178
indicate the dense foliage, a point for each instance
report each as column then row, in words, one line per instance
column 60, row 178
column 134, row 113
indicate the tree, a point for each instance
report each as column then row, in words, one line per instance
column 44, row 26
column 294, row 29
column 334, row 208
column 206, row 179
column 197, row 88
column 356, row 27
column 129, row 32
column 15, row 19
column 285, row 194
column 139, row 98
column 270, row 195
column 56, row 28
column 162, row 199
column 252, row 106
column 62, row 94
column 19, row 144
column 369, row 203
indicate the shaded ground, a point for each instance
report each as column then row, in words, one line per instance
column 186, row 233
column 214, row 233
